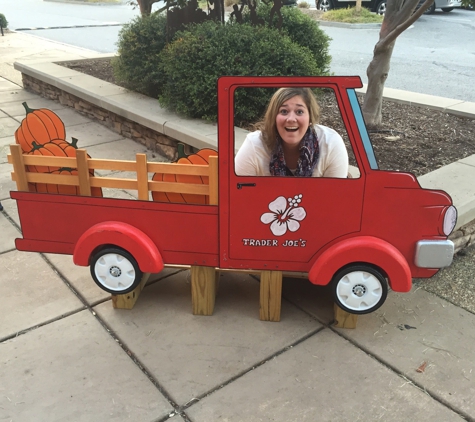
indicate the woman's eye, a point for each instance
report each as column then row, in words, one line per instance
column 283, row 111
column 300, row 112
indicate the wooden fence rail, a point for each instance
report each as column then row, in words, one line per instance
column 85, row 181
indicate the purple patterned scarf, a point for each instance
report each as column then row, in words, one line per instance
column 309, row 153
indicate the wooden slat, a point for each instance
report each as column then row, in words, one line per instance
column 104, row 164
column 56, row 179
column 213, row 180
column 197, row 189
column 172, row 168
column 344, row 319
column 83, row 172
column 203, row 289
column 142, row 177
column 270, row 295
column 41, row 160
column 113, row 182
column 19, row 168
column 121, row 183
column 165, row 168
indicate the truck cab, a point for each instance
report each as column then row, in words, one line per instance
column 380, row 223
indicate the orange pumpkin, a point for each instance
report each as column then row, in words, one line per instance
column 49, row 150
column 70, row 190
column 68, row 148
column 61, row 148
column 40, row 126
column 200, row 158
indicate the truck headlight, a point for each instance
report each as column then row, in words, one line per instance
column 450, row 219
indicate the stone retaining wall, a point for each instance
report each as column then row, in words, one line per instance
column 464, row 236
column 155, row 141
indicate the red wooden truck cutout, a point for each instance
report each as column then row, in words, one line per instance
column 359, row 234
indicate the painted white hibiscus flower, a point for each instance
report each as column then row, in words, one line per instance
column 286, row 215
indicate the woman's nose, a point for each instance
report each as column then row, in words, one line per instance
column 291, row 116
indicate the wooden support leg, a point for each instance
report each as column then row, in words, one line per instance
column 203, row 289
column 270, row 295
column 127, row 301
column 344, row 319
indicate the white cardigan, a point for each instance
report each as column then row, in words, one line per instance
column 253, row 157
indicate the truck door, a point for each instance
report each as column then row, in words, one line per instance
column 276, row 221
column 282, row 222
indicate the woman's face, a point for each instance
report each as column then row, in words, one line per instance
column 292, row 120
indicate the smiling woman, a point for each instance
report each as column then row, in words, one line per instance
column 289, row 142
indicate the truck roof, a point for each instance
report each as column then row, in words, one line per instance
column 282, row 81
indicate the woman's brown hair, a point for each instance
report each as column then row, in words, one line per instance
column 267, row 125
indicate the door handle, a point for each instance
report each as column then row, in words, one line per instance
column 241, row 185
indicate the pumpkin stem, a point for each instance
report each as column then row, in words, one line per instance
column 35, row 146
column 61, row 169
column 27, row 109
column 181, row 150
column 74, row 143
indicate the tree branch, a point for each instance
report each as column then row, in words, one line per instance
column 167, row 6
column 400, row 28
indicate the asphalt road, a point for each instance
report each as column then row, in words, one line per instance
column 435, row 56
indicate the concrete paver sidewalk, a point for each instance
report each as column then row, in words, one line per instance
column 66, row 354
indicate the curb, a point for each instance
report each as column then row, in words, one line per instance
column 456, row 107
column 349, row 25
column 66, row 27
column 85, row 3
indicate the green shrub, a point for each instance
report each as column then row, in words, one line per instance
column 138, row 65
column 3, row 21
column 192, row 63
column 301, row 29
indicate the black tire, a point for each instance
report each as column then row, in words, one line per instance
column 430, row 10
column 381, row 8
column 115, row 271
column 324, row 5
column 447, row 9
column 359, row 289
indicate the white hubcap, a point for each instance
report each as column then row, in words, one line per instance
column 114, row 272
column 359, row 290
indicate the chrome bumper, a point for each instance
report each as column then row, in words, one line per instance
column 434, row 253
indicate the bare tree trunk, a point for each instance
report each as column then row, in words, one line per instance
column 358, row 6
column 377, row 73
column 398, row 17
column 146, row 6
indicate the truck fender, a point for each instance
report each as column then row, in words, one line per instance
column 364, row 249
column 121, row 235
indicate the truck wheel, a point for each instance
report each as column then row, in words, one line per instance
column 381, row 8
column 324, row 5
column 430, row 10
column 115, row 271
column 359, row 289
